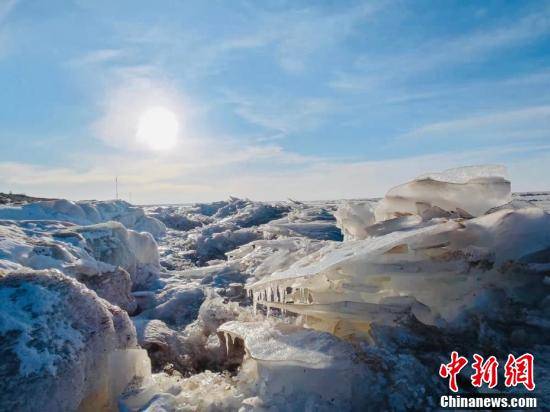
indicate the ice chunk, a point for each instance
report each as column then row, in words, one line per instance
column 64, row 348
column 43, row 246
column 473, row 190
column 263, row 257
column 136, row 252
column 279, row 342
column 353, row 218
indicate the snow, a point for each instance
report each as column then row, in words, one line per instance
column 62, row 345
column 108, row 256
column 22, row 310
column 136, row 252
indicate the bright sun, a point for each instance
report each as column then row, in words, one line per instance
column 158, row 129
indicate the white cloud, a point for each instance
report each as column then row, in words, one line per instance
column 98, row 57
column 527, row 122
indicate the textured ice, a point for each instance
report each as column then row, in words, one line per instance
column 264, row 257
column 112, row 243
column 86, row 213
column 328, row 325
column 62, row 345
column 107, row 257
column 467, row 191
column 353, row 218
column 289, row 344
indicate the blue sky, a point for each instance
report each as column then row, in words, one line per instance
column 309, row 100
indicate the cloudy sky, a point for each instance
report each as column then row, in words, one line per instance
column 273, row 99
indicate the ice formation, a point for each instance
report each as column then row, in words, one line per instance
column 107, row 257
column 63, row 348
column 249, row 306
column 469, row 191
column 86, row 212
column 428, row 271
column 353, row 218
column 112, row 243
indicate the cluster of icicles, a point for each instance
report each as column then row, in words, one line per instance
column 228, row 336
column 278, row 296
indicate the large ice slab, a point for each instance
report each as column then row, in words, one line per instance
column 434, row 272
column 470, row 191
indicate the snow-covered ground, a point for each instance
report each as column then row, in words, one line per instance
column 243, row 305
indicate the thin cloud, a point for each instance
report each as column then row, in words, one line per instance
column 524, row 119
column 98, row 57
column 478, row 45
column 282, row 113
column 6, row 7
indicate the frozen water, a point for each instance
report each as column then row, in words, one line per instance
column 468, row 191
column 354, row 217
column 86, row 213
column 323, row 324
column 63, row 347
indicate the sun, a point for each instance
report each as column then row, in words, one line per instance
column 157, row 129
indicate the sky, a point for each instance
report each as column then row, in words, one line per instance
column 274, row 99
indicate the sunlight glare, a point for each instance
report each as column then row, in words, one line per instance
column 158, row 129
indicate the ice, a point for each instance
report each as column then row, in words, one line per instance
column 357, row 282
column 467, row 173
column 267, row 342
column 468, row 191
column 62, row 344
column 353, row 218
column 324, row 305
column 176, row 305
column 112, row 243
column 86, row 213
column 107, row 257
column 263, row 257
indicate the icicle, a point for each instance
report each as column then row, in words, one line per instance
column 226, row 335
column 268, row 311
column 255, row 301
